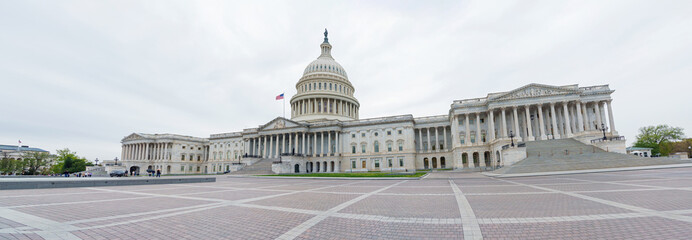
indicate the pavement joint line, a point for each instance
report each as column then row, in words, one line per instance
column 638, row 185
column 469, row 223
column 49, row 229
column 138, row 214
column 301, row 228
column 77, row 202
column 642, row 210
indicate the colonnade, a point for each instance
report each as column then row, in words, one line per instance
column 531, row 122
column 146, row 151
column 316, row 144
column 324, row 106
column 436, row 142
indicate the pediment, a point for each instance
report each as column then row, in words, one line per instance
column 133, row 136
column 279, row 123
column 534, row 90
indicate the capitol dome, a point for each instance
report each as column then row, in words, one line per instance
column 324, row 91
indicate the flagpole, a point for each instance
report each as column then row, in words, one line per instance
column 284, row 106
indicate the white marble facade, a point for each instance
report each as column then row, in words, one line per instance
column 325, row 133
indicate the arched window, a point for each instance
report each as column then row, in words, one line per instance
column 182, row 157
column 377, row 146
column 319, row 86
column 330, row 86
column 362, row 147
column 401, row 145
column 389, row 146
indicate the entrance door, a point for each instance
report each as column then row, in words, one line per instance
column 364, row 166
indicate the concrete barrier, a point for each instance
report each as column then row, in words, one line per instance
column 36, row 183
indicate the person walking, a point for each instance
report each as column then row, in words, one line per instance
column 158, row 172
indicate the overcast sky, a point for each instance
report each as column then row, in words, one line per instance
column 84, row 74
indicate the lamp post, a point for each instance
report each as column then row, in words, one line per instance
column 511, row 137
column 116, row 161
column 97, row 161
column 604, row 129
column 689, row 148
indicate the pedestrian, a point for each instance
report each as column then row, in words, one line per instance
column 158, row 172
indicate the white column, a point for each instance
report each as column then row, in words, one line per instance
column 553, row 117
column 314, row 147
column 329, row 143
column 455, row 132
column 322, row 152
column 271, row 147
column 598, row 115
column 580, row 118
column 479, row 140
column 338, row 145
column 610, row 117
column 444, row 138
column 491, row 125
column 587, row 122
column 437, row 140
column 429, row 145
column 303, row 147
column 420, row 141
column 290, row 143
column 504, row 124
column 516, row 124
column 527, row 111
column 467, row 136
column 541, row 125
column 568, row 130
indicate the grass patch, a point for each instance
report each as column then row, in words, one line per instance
column 353, row 175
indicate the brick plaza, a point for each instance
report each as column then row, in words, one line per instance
column 646, row 204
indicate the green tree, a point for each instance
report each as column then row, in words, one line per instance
column 35, row 161
column 68, row 162
column 6, row 165
column 658, row 138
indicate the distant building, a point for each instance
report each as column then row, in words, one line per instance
column 639, row 151
column 16, row 152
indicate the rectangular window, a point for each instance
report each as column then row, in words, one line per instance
column 389, row 133
column 362, row 135
column 353, row 163
column 473, row 138
column 389, row 147
column 182, row 168
column 182, row 157
column 353, row 135
column 482, row 120
column 363, row 148
column 462, row 138
column 472, row 121
column 401, row 161
column 353, row 149
column 389, row 162
column 401, row 146
column 377, row 163
column 189, row 168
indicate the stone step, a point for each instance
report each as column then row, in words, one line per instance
column 549, row 155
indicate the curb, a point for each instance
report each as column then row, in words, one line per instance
column 335, row 178
column 683, row 165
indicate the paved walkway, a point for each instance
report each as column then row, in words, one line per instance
column 644, row 204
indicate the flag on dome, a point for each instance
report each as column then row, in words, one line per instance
column 281, row 96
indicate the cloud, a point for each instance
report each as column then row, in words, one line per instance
column 83, row 74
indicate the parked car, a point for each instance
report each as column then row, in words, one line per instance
column 118, row 173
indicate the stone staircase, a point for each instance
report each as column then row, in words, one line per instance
column 570, row 154
column 260, row 167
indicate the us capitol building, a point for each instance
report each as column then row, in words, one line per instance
column 325, row 133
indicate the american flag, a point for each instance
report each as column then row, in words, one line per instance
column 281, row 96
